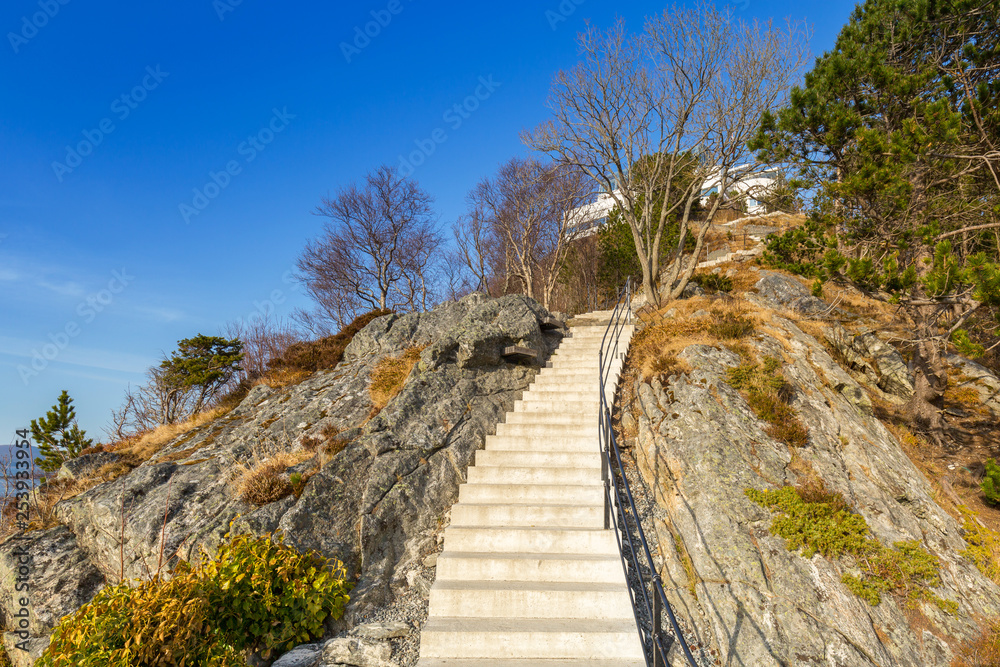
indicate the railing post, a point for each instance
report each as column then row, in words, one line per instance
column 659, row 660
column 615, row 482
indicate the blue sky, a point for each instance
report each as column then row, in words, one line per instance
column 160, row 161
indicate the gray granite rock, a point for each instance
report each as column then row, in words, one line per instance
column 44, row 575
column 306, row 655
column 873, row 357
column 752, row 601
column 786, row 292
column 24, row 653
column 357, row 652
column 985, row 383
column 83, row 466
column 389, row 630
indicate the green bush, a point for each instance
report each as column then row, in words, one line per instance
column 255, row 594
column 821, row 522
column 768, row 395
column 713, row 282
column 726, row 325
column 991, row 482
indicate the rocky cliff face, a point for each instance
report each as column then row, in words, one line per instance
column 746, row 598
column 377, row 504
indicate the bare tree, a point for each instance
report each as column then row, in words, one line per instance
column 654, row 117
column 376, row 251
column 152, row 404
column 477, row 249
column 264, row 338
column 518, row 221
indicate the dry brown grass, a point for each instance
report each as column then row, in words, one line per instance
column 265, row 480
column 983, row 651
column 390, row 375
column 283, row 377
column 265, row 484
column 654, row 349
column 150, row 444
column 315, row 355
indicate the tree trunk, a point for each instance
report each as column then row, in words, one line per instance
column 926, row 406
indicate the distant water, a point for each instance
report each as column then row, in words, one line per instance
column 7, row 469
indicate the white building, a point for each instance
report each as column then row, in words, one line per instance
column 587, row 219
column 744, row 184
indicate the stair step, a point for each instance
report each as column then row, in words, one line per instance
column 563, row 381
column 570, row 516
column 540, row 459
column 518, row 638
column 491, row 566
column 584, row 408
column 524, row 475
column 554, row 418
column 552, row 430
column 534, row 494
column 556, row 396
column 558, row 444
column 530, row 662
column 529, row 599
column 534, row 540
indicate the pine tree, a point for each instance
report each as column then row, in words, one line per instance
column 896, row 129
column 203, row 364
column 57, row 434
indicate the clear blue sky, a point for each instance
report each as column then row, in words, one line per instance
column 113, row 114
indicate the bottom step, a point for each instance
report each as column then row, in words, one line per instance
column 505, row 662
column 530, row 638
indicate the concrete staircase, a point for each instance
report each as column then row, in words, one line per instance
column 528, row 576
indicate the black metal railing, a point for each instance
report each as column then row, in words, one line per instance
column 644, row 585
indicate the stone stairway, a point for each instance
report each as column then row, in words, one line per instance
column 529, row 576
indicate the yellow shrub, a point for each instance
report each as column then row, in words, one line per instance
column 256, row 594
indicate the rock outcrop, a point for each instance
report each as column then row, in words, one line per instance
column 376, row 505
column 783, row 291
column 878, row 361
column 746, row 598
column 43, row 577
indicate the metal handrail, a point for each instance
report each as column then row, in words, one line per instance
column 644, row 585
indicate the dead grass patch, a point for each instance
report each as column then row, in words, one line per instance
column 983, row 651
column 265, row 484
column 280, row 378
column 769, row 396
column 150, row 444
column 311, row 356
column 390, row 375
column 654, row 349
column 265, row 480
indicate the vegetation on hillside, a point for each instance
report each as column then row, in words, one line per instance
column 896, row 129
column 58, row 435
column 816, row 521
column 254, row 595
